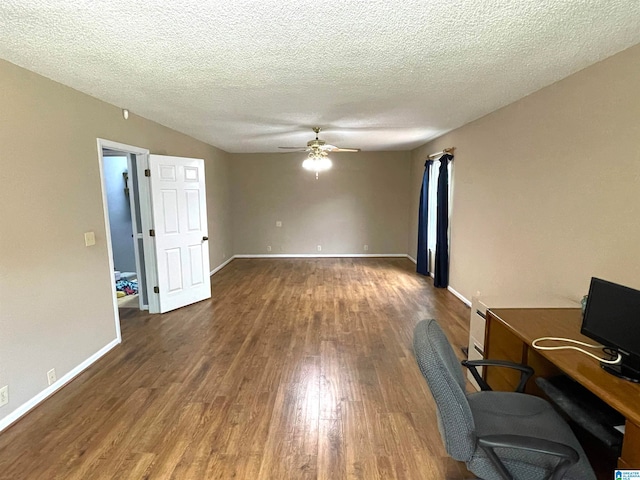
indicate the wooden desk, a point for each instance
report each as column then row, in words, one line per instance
column 508, row 336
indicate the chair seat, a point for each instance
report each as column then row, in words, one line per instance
column 497, row 413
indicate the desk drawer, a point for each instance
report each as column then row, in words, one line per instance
column 475, row 353
column 477, row 322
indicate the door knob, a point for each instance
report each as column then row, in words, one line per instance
column 205, row 238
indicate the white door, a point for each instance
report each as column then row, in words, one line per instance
column 181, row 236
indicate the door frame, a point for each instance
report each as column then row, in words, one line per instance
column 144, row 194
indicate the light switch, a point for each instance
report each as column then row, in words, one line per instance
column 278, row 223
column 89, row 239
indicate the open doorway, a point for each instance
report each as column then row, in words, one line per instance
column 127, row 214
column 120, row 183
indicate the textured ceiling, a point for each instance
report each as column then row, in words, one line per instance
column 249, row 76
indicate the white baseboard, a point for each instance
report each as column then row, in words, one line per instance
column 323, row 255
column 412, row 259
column 61, row 382
column 221, row 266
column 460, row 296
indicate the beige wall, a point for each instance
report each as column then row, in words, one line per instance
column 547, row 189
column 545, row 196
column 362, row 200
column 55, row 294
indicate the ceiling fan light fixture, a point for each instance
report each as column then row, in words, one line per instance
column 324, row 163
column 317, row 162
column 308, row 164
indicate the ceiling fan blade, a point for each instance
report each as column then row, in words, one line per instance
column 319, row 145
column 333, row 148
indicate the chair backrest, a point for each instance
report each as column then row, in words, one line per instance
column 441, row 368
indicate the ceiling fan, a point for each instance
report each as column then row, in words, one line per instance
column 320, row 145
column 318, row 160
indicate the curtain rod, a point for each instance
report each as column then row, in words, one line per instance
column 449, row 150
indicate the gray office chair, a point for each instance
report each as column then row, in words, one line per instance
column 499, row 435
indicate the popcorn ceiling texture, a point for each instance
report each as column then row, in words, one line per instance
column 249, row 76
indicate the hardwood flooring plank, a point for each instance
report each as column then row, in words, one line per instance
column 223, row 467
column 359, row 458
column 331, row 450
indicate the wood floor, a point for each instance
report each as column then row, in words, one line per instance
column 296, row 369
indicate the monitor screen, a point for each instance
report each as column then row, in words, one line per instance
column 612, row 317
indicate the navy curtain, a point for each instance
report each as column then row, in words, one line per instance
column 423, row 213
column 441, row 276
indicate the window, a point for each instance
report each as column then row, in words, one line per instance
column 433, row 208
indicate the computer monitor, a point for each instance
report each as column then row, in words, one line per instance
column 612, row 317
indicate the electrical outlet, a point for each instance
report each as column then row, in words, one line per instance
column 268, row 248
column 51, row 376
column 319, row 248
column 278, row 223
column 366, row 248
column 4, row 395
column 224, row 255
